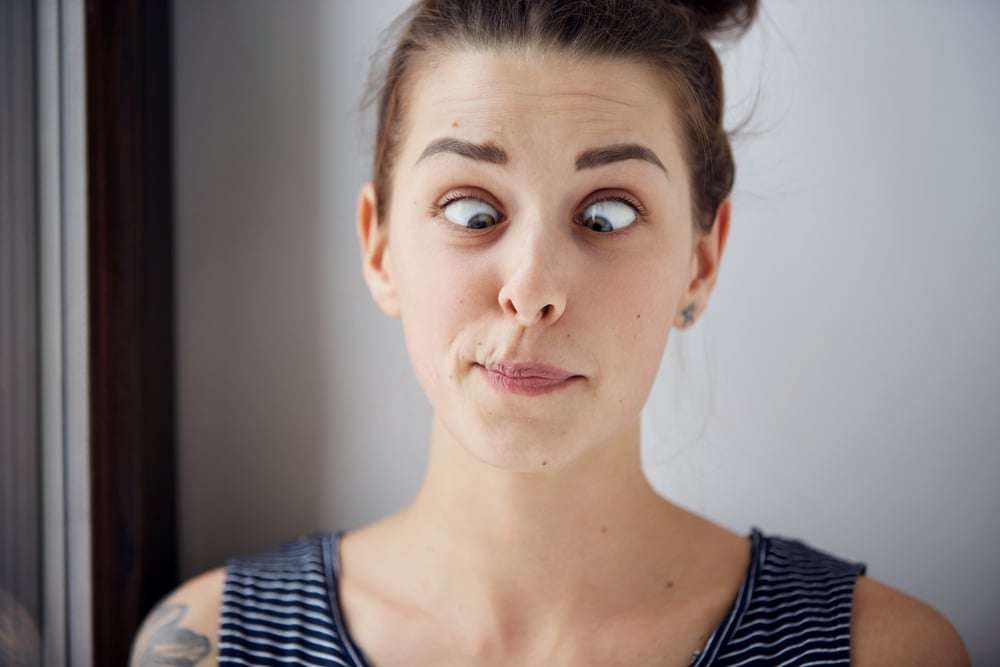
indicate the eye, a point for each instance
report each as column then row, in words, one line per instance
column 609, row 215
column 471, row 213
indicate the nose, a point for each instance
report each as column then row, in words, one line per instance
column 534, row 291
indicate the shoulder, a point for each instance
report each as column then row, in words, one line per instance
column 183, row 628
column 891, row 628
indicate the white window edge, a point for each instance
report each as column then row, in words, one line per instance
column 62, row 210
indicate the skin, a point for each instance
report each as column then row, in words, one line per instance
column 536, row 538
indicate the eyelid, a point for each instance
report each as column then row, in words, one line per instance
column 615, row 195
column 458, row 194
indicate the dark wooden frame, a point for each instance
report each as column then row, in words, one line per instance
column 130, row 232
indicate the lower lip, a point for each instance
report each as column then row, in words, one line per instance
column 526, row 386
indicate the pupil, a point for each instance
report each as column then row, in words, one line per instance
column 480, row 221
column 599, row 224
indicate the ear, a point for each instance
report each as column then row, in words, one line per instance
column 375, row 261
column 705, row 261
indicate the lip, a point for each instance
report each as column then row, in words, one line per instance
column 528, row 378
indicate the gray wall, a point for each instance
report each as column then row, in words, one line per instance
column 842, row 387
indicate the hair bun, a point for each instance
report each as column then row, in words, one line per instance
column 720, row 16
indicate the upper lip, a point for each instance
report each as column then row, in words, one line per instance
column 529, row 369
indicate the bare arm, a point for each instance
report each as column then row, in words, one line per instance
column 182, row 631
column 891, row 628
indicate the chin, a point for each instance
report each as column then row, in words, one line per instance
column 525, row 450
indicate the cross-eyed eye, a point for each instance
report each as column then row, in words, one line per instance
column 608, row 215
column 471, row 213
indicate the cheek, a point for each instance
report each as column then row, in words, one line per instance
column 440, row 296
column 640, row 300
column 636, row 314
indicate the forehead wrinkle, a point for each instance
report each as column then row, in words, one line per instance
column 500, row 122
column 493, row 103
column 489, row 100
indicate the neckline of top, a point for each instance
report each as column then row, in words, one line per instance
column 701, row 658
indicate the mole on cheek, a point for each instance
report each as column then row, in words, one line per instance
column 454, row 123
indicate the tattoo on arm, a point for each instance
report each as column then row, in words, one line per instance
column 169, row 645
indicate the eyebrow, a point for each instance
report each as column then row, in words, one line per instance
column 490, row 153
column 590, row 159
column 598, row 157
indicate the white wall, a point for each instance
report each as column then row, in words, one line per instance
column 843, row 386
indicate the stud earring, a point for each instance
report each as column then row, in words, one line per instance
column 688, row 314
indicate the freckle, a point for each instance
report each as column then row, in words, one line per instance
column 638, row 316
column 604, row 529
column 545, row 463
column 669, row 584
column 454, row 123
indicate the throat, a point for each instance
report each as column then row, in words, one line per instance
column 524, row 550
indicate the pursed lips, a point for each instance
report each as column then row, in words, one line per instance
column 527, row 378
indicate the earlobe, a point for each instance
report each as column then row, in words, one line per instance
column 375, row 261
column 705, row 262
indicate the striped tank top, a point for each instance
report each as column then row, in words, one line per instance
column 793, row 608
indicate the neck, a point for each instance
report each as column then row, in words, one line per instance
column 535, row 540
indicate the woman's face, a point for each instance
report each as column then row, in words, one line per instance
column 539, row 246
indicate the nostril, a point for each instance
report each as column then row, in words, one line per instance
column 509, row 307
column 546, row 311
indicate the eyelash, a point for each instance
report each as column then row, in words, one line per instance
column 640, row 212
column 437, row 209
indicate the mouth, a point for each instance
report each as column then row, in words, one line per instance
column 527, row 379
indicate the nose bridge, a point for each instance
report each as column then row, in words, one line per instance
column 534, row 290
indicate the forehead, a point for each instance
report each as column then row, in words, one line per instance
column 531, row 98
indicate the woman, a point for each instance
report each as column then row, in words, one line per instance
column 550, row 198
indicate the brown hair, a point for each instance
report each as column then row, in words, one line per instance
column 671, row 35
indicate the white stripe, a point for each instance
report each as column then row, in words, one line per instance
column 277, row 644
column 246, row 592
column 795, row 658
column 303, row 572
column 777, row 577
column 811, row 565
column 784, row 611
column 297, row 634
column 777, row 589
column 822, row 662
column 823, row 636
column 271, row 656
column 790, row 599
column 760, row 656
column 284, row 559
column 274, row 586
column 780, row 563
column 786, row 626
column 324, row 628
column 271, row 607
